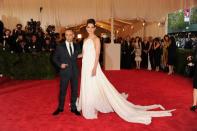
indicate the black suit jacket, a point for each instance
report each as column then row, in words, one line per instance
column 61, row 56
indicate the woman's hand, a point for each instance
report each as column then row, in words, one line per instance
column 93, row 71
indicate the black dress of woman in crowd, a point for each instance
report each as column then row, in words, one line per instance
column 171, row 51
column 145, row 49
column 124, row 55
column 128, row 49
column 171, row 55
column 157, row 53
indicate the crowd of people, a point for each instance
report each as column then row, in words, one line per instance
column 150, row 53
column 32, row 39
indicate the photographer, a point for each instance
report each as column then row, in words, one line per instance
column 34, row 46
column 51, row 32
column 1, row 32
column 40, row 37
column 21, row 45
column 7, row 41
column 47, row 46
column 18, row 31
column 54, row 37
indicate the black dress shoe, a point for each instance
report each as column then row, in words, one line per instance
column 193, row 108
column 76, row 112
column 56, row 112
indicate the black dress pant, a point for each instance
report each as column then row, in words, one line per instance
column 64, row 81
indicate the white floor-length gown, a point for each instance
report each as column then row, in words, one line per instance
column 98, row 94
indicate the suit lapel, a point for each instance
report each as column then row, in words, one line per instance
column 67, row 53
column 73, row 53
column 74, row 46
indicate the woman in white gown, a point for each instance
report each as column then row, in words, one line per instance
column 97, row 94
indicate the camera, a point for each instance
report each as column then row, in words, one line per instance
column 51, row 31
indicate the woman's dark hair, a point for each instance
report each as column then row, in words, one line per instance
column 137, row 37
column 164, row 38
column 91, row 21
column 173, row 41
column 157, row 40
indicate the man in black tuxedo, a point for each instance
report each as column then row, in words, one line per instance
column 65, row 57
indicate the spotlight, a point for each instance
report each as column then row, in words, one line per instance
column 79, row 36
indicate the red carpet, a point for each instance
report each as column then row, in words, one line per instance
column 27, row 105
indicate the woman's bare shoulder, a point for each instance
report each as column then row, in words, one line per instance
column 96, row 39
column 85, row 39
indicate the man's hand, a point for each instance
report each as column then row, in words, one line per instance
column 80, row 56
column 63, row 66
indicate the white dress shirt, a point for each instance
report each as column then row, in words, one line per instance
column 68, row 48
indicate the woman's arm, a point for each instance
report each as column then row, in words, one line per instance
column 97, row 46
column 140, row 45
column 157, row 46
column 150, row 44
column 81, row 55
